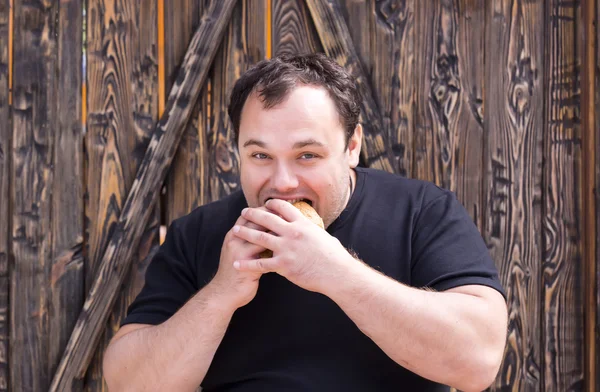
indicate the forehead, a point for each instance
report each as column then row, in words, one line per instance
column 306, row 109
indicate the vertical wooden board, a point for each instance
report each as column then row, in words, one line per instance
column 293, row 29
column 122, row 112
column 424, row 157
column 242, row 46
column 34, row 119
column 185, row 189
column 67, row 276
column 467, row 154
column 563, row 285
column 512, row 189
column 5, row 154
column 358, row 18
column 393, row 74
column 597, row 128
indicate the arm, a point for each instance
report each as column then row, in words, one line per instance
column 172, row 356
column 176, row 354
column 454, row 337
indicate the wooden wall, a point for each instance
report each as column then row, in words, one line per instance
column 483, row 97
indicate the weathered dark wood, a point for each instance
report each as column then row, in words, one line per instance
column 467, row 170
column 337, row 43
column 424, row 162
column 514, row 70
column 34, row 120
column 449, row 123
column 243, row 45
column 134, row 217
column 392, row 74
column 588, row 167
column 293, row 29
column 67, row 275
column 5, row 155
column 189, row 170
column 122, row 112
column 385, row 45
column 563, row 285
column 597, row 137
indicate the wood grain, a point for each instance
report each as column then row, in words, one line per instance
column 184, row 190
column 5, row 155
column 136, row 212
column 122, row 110
column 34, row 119
column 562, row 259
column 337, row 43
column 467, row 168
column 588, row 167
column 67, row 291
column 597, row 145
column 514, row 91
column 243, row 45
column 293, row 29
column 449, row 123
column 392, row 75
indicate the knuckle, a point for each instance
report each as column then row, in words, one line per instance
column 298, row 235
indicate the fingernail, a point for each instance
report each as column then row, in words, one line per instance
column 236, row 229
column 236, row 264
column 244, row 211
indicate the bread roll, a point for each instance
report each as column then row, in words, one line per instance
column 309, row 212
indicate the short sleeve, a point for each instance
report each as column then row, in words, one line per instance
column 448, row 250
column 169, row 281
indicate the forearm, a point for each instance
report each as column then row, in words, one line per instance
column 174, row 355
column 443, row 337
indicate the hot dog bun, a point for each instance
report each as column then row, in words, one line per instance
column 306, row 210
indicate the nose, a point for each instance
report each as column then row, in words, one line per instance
column 284, row 179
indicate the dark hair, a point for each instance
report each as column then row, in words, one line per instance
column 274, row 79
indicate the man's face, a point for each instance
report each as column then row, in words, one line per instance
column 296, row 150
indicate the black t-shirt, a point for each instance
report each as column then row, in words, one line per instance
column 290, row 339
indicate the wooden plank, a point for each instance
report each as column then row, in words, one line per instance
column 563, row 337
column 34, row 119
column 184, row 185
column 393, row 74
column 293, row 29
column 589, row 229
column 137, row 209
column 337, row 43
column 243, row 45
column 467, row 157
column 513, row 161
column 67, row 275
column 597, row 136
column 424, row 161
column 5, row 155
column 123, row 108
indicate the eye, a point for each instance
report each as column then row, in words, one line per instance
column 308, row 156
column 260, row 156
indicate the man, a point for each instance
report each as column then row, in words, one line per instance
column 398, row 293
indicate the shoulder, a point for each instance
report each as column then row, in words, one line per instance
column 401, row 191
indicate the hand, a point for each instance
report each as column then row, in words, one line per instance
column 237, row 288
column 303, row 253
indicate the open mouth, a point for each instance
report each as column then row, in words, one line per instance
column 292, row 201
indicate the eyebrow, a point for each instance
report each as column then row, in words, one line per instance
column 297, row 145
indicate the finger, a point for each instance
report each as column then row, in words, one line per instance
column 284, row 209
column 257, row 237
column 258, row 265
column 266, row 219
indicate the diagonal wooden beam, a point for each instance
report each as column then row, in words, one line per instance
column 337, row 43
column 144, row 191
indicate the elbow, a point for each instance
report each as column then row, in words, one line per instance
column 482, row 374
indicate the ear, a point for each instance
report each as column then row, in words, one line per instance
column 354, row 145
